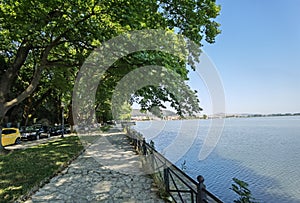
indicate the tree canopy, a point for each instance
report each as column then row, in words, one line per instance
column 46, row 42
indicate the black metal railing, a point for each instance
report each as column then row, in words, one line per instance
column 172, row 181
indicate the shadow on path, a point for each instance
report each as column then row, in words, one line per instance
column 108, row 171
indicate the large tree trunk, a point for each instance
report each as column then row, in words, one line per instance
column 3, row 112
column 1, row 147
column 6, row 105
column 7, row 79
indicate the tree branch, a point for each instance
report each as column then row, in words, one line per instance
column 61, row 63
column 11, row 72
column 21, row 55
column 31, row 87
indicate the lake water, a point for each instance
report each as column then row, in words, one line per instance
column 264, row 152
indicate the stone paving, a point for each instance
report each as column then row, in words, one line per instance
column 108, row 171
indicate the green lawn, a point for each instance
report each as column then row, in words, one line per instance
column 22, row 170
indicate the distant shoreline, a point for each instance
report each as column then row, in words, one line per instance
column 259, row 115
column 217, row 116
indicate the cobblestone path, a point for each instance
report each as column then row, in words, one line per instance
column 108, row 171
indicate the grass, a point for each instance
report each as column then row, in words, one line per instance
column 105, row 128
column 23, row 170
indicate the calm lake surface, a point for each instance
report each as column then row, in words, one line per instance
column 264, row 152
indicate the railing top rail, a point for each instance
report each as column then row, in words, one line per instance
column 193, row 189
column 174, row 168
column 212, row 196
column 169, row 163
column 159, row 155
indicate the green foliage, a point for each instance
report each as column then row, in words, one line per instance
column 183, row 165
column 152, row 144
column 125, row 112
column 105, row 128
column 46, row 42
column 241, row 188
column 21, row 170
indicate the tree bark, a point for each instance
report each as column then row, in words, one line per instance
column 10, row 74
column 5, row 106
column 1, row 146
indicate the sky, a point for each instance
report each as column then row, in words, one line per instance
column 257, row 56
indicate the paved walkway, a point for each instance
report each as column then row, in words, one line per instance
column 108, row 171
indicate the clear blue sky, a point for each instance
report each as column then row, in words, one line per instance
column 258, row 56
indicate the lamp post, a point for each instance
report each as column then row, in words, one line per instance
column 62, row 120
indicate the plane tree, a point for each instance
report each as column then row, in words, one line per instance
column 38, row 36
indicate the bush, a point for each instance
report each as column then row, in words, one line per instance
column 241, row 188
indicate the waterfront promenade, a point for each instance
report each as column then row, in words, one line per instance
column 108, row 171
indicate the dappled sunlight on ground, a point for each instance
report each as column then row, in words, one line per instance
column 108, row 171
column 107, row 151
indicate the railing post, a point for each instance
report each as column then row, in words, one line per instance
column 166, row 179
column 151, row 151
column 201, row 196
column 137, row 147
column 152, row 145
column 144, row 148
